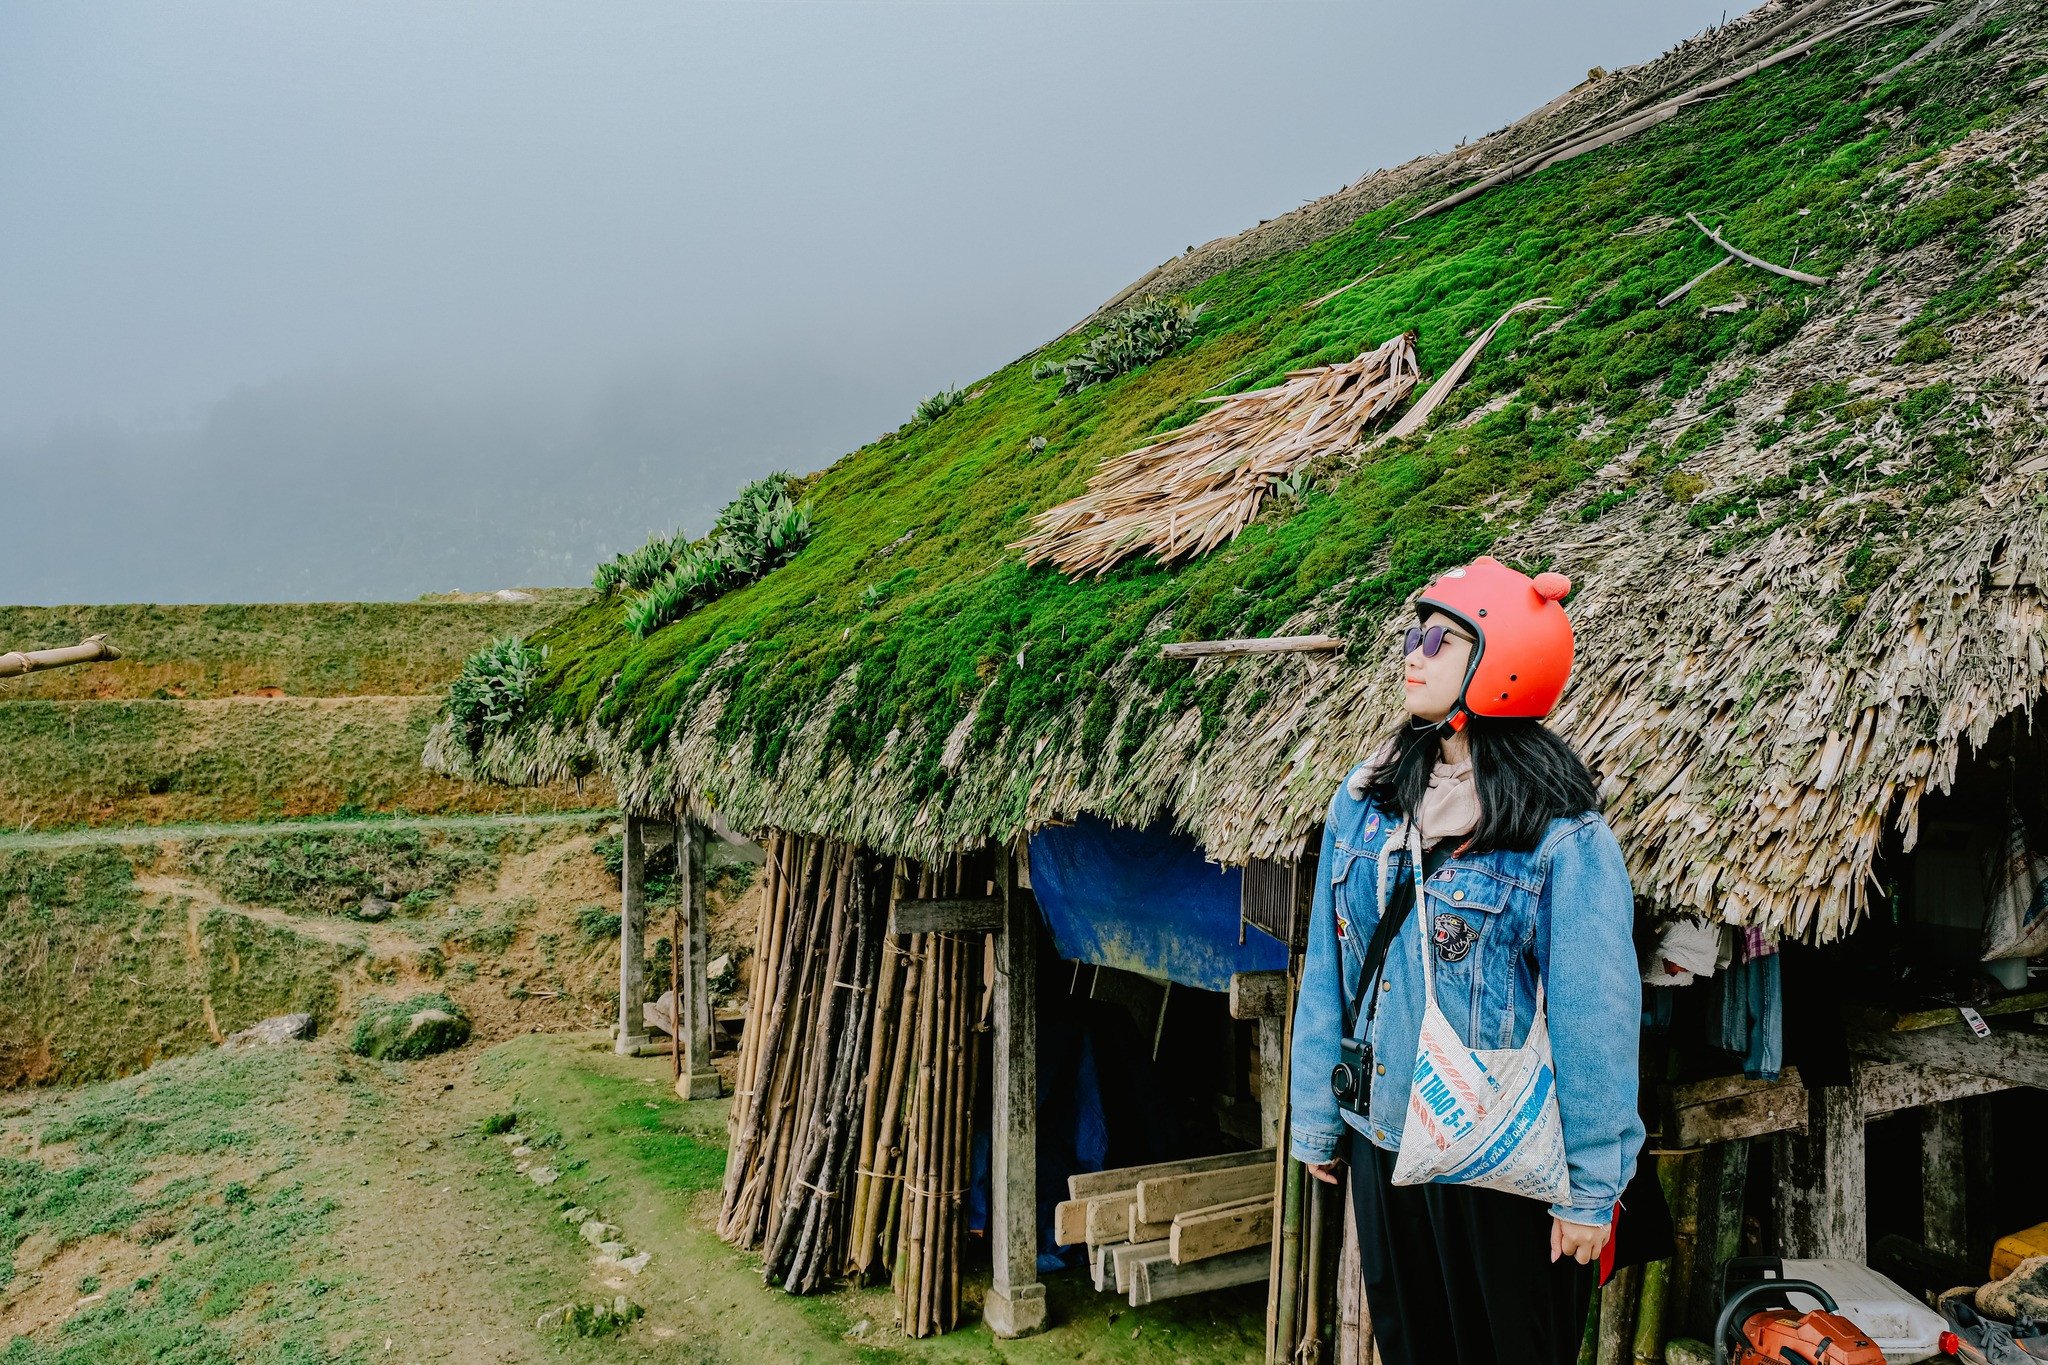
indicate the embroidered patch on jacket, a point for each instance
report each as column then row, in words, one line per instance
column 1372, row 825
column 1342, row 926
column 1454, row 937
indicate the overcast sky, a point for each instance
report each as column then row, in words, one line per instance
column 348, row 299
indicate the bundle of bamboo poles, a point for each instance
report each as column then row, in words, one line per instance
column 853, row 1115
column 1198, row 487
column 817, row 957
column 916, row 1169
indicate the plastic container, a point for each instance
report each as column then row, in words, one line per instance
column 1904, row 1328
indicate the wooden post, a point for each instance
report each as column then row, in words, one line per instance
column 1015, row 1305
column 1984, row 1220
column 696, row 1078
column 1942, row 1206
column 1616, row 1343
column 1264, row 996
column 1706, row 1205
column 632, row 916
column 1820, row 1178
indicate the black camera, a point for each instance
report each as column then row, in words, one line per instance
column 1351, row 1078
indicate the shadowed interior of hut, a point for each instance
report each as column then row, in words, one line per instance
column 1876, row 1100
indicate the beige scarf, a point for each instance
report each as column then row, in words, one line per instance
column 1450, row 809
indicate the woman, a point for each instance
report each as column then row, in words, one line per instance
column 1524, row 885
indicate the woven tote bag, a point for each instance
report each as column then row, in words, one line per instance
column 1478, row 1117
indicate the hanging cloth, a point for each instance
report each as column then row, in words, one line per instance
column 1486, row 1118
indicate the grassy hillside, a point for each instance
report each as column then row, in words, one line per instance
column 296, row 649
column 161, row 762
column 116, row 955
column 906, row 627
column 125, row 955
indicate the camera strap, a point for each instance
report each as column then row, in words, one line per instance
column 1400, row 903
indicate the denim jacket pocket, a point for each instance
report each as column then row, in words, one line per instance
column 1477, row 929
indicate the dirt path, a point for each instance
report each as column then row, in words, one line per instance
column 323, row 1207
column 127, row 835
column 201, row 900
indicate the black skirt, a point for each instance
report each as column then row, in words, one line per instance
column 1456, row 1275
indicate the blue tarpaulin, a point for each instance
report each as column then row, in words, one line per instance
column 1145, row 900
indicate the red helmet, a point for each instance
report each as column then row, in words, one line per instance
column 1524, row 652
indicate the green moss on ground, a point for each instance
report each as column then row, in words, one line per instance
column 163, row 1159
column 908, row 577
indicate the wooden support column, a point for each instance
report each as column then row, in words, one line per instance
column 1707, row 1208
column 1820, row 1179
column 1015, row 1305
column 1264, row 996
column 1942, row 1227
column 697, row 1079
column 632, row 1034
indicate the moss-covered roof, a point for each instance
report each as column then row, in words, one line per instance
column 908, row 682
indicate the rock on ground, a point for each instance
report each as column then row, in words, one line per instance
column 2024, row 1293
column 404, row 1030
column 279, row 1028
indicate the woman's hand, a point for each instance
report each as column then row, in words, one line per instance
column 1327, row 1173
column 1580, row 1241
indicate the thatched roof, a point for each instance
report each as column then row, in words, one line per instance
column 1808, row 525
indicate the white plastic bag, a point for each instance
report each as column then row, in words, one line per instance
column 2016, row 906
column 1480, row 1118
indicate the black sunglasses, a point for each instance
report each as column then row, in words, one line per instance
column 1428, row 641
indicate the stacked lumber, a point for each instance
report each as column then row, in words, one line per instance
column 1172, row 1228
column 852, row 1112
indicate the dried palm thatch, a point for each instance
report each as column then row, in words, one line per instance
column 1194, row 490
column 1567, row 122
column 1785, row 642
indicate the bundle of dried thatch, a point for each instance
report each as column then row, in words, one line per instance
column 1187, row 494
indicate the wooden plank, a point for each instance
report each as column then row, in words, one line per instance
column 1229, row 649
column 1888, row 1087
column 1070, row 1222
column 1088, row 1184
column 1203, row 1233
column 2021, row 1002
column 1141, row 1231
column 947, row 915
column 2014, row 1053
column 1159, row 1278
column 1728, row 1109
column 1820, row 1179
column 1102, row 1265
column 1258, row 995
column 1163, row 1197
column 1109, row 1217
column 1127, row 1255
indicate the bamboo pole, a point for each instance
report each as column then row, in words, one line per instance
column 92, row 649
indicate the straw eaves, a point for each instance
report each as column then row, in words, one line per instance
column 1811, row 569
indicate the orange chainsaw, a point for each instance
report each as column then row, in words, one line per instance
column 1759, row 1326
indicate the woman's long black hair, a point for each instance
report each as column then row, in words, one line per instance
column 1526, row 776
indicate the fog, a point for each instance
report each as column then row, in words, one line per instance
column 361, row 300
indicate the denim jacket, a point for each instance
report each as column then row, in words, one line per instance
column 1566, row 908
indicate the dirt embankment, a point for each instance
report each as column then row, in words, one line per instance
column 126, row 953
